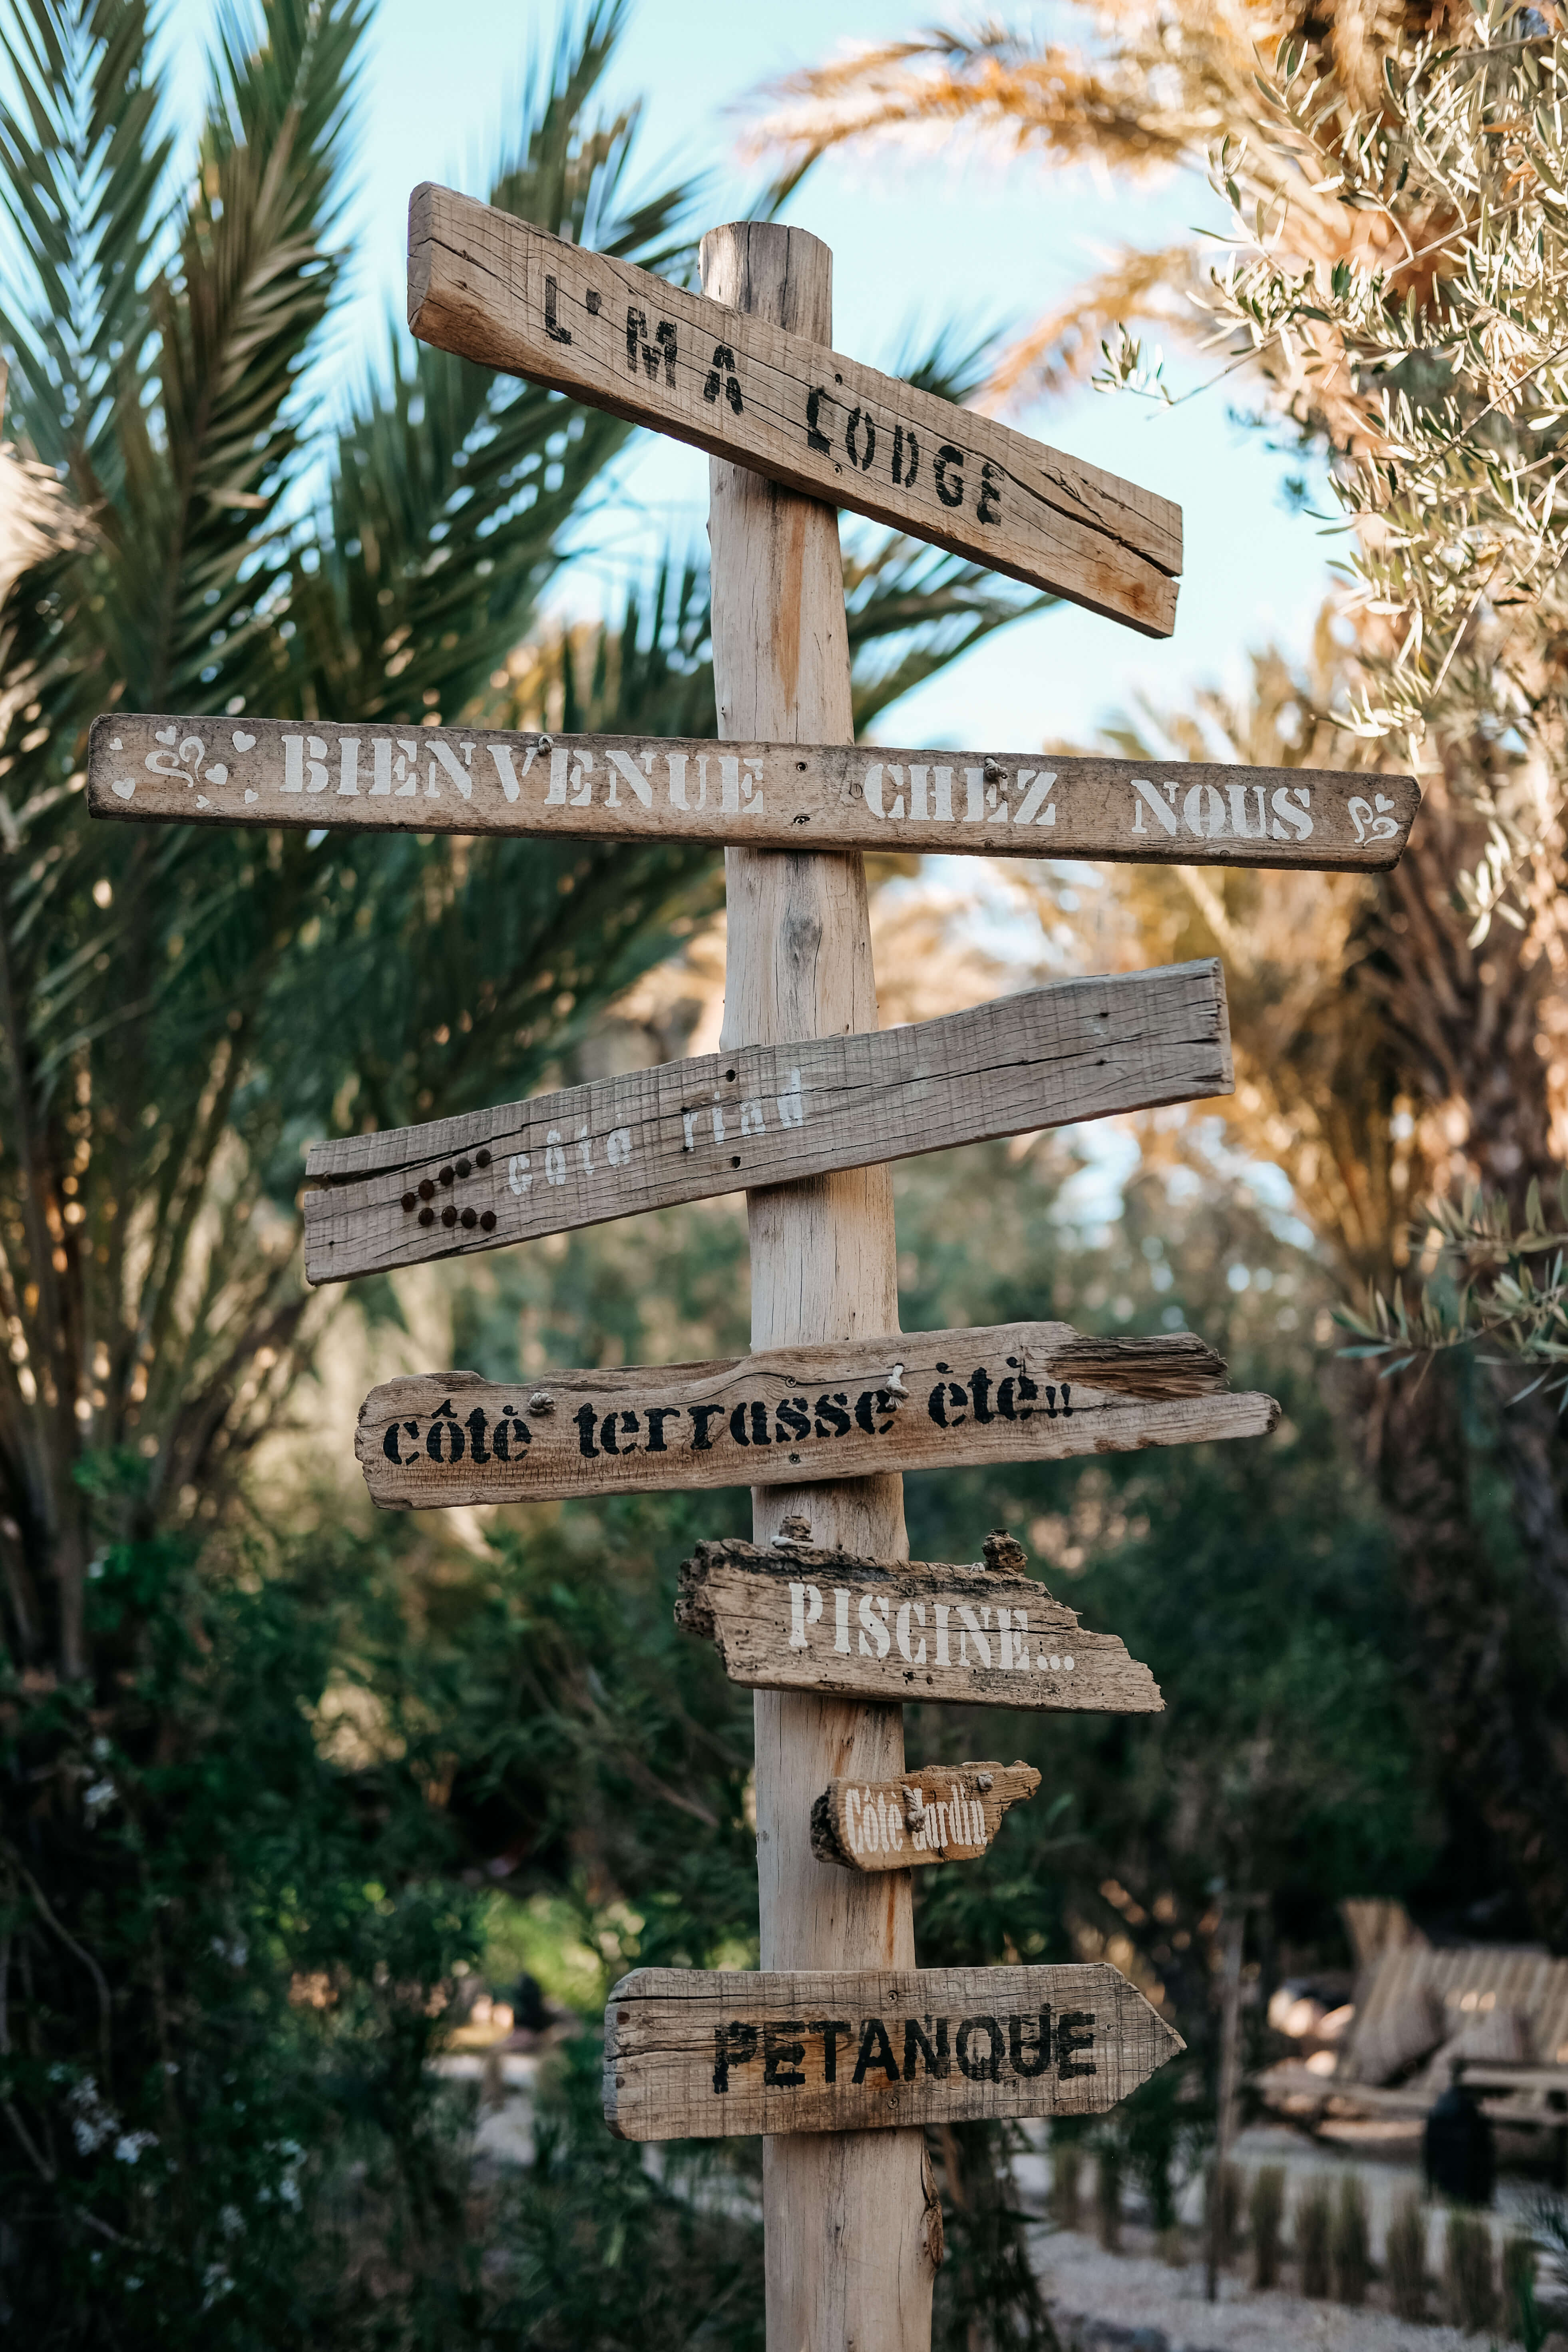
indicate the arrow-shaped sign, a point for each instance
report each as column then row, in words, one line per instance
column 398, row 778
column 944, row 1813
column 793, row 1618
column 697, row 2053
column 764, row 1115
column 910, row 1401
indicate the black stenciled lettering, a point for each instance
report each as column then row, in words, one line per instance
column 860, row 420
column 657, row 1415
column 552, row 327
column 782, row 2059
column 980, row 1388
column 833, row 2030
column 945, row 1395
column 868, row 1404
column 1067, row 1399
column 949, row 483
column 703, row 1414
column 477, row 1427
column 733, row 2044
column 1050, row 1401
column 1070, row 2038
column 1029, row 2058
column 445, row 1419
column 628, row 1428
column 738, row 1425
column 759, row 1425
column 791, row 1418
column 987, row 2069
column 587, row 1418
column 637, row 341
column 875, row 2049
column 834, row 1411
column 512, row 1425
column 389, row 1442
column 938, row 2059
column 721, row 377
column 816, row 438
column 900, row 440
column 988, row 505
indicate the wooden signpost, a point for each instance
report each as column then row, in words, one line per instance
column 697, row 2053
column 395, row 779
column 839, row 2049
column 764, row 1115
column 944, row 1812
column 798, row 1618
column 906, row 1400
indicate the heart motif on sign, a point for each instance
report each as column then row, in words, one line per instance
column 202, row 801
column 168, row 735
column 250, row 795
column 115, row 744
column 217, row 774
column 243, row 742
column 123, row 792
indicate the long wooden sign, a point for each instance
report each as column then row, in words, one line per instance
column 402, row 778
column 911, row 1400
column 505, row 295
column 793, row 1618
column 699, row 2054
column 944, row 1812
column 764, row 1115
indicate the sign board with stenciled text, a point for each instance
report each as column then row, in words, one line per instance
column 943, row 1813
column 697, row 2053
column 395, row 778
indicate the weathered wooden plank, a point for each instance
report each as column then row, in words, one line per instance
column 506, row 295
column 699, row 2054
column 944, row 1813
column 796, row 1618
column 405, row 779
column 786, row 1416
column 764, row 1115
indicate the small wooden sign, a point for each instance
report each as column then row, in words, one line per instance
column 944, row 1812
column 699, row 2054
column 506, row 295
column 793, row 1618
column 764, row 1115
column 911, row 1400
column 269, row 772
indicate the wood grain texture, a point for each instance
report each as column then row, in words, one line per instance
column 943, row 1813
column 697, row 2053
column 760, row 1115
column 824, row 1267
column 728, row 379
column 913, row 1400
column 797, row 1617
column 774, row 795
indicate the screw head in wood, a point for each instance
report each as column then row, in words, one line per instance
column 470, row 1218
column 426, row 1216
column 464, row 1167
column 487, row 1222
column 449, row 1214
column 481, row 1159
column 411, row 1200
column 426, row 1190
column 443, row 1176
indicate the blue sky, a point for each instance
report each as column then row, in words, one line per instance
column 918, row 238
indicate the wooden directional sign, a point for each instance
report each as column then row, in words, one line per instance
column 697, row 2053
column 764, row 1115
column 405, row 779
column 944, row 1812
column 506, row 295
column 911, row 1400
column 793, row 1618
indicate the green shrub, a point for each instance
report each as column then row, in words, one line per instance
column 1108, row 2195
column 1523, row 2322
column 1265, row 2215
column 1470, row 2273
column 1405, row 2258
column 1351, row 2250
column 1226, row 2190
column 1314, row 2225
column 1067, row 2183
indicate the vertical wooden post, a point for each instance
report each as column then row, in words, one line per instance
column 1232, row 1934
column 853, row 2228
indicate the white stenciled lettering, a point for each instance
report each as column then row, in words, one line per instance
column 1161, row 798
column 971, row 1630
column 1294, row 803
column 872, row 788
column 623, row 767
column 677, row 765
column 915, row 1657
column 996, row 808
column 1013, row 1635
column 305, row 764
column 618, row 1146
column 443, row 756
column 921, row 779
column 500, row 754
column 943, row 1613
column 585, row 1149
column 582, row 792
column 1037, row 807
column 852, row 1821
column 517, row 1175
column 805, row 1609
column 973, row 796
column 751, row 1119
column 688, row 1130
column 841, row 1620
column 1237, row 795
column 1202, row 812
column 792, row 1104
column 739, row 795
column 393, row 772
column 554, row 1158
column 560, row 768
column 348, row 767
column 875, row 1625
